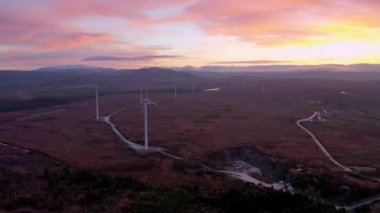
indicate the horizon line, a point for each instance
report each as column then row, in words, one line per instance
column 232, row 65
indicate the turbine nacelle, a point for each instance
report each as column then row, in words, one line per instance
column 146, row 101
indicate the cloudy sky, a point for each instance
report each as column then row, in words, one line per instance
column 138, row 33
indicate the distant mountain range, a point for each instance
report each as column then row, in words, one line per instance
column 83, row 73
column 287, row 68
column 73, row 68
column 256, row 69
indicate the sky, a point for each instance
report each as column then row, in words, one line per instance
column 173, row 33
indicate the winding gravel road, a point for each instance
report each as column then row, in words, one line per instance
column 18, row 148
column 354, row 205
column 361, row 203
column 319, row 144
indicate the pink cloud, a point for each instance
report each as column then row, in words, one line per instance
column 272, row 22
column 45, row 27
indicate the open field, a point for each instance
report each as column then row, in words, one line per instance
column 250, row 120
column 196, row 125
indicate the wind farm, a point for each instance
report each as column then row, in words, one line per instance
column 190, row 106
column 207, row 130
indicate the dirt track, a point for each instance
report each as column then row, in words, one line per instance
column 319, row 144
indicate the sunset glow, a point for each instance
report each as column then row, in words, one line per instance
column 130, row 34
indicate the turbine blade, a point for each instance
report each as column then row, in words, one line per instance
column 155, row 104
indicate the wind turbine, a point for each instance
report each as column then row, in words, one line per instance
column 146, row 102
column 97, row 88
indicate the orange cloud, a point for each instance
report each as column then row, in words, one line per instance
column 52, row 30
column 272, row 22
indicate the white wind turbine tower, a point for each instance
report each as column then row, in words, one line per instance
column 146, row 102
column 97, row 88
